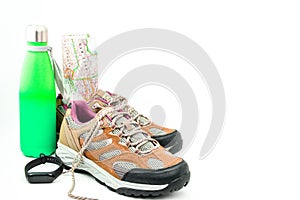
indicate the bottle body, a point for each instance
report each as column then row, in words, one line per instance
column 37, row 105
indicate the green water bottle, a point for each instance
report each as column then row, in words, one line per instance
column 37, row 96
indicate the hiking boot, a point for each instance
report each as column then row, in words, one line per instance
column 113, row 148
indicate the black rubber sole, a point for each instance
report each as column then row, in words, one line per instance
column 172, row 142
column 173, row 186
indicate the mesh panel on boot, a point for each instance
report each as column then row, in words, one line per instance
column 121, row 168
column 156, row 131
column 109, row 154
column 99, row 144
column 154, row 163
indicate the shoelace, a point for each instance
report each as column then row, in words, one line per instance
column 79, row 157
column 132, row 128
column 143, row 120
column 118, row 100
column 121, row 104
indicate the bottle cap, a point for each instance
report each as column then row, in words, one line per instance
column 36, row 33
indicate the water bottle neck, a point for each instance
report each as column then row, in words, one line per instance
column 38, row 47
column 37, row 43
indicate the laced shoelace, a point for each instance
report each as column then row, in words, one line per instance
column 118, row 100
column 79, row 157
column 130, row 127
column 143, row 120
column 120, row 104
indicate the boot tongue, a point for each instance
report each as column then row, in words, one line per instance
column 107, row 96
column 104, row 98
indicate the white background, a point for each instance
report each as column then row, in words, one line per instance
column 255, row 46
